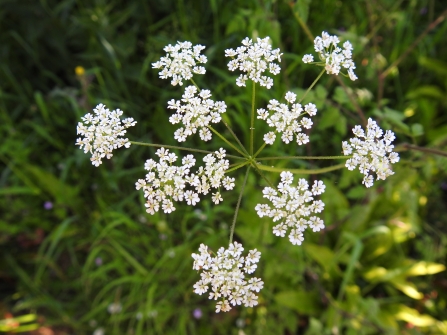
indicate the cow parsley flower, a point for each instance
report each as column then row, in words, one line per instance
column 103, row 133
column 332, row 57
column 181, row 62
column 166, row 183
column 293, row 206
column 114, row 308
column 372, row 153
column 287, row 121
column 195, row 112
column 254, row 59
column 225, row 273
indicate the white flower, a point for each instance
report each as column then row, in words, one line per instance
column 181, row 62
column 332, row 57
column 287, row 121
column 165, row 182
column 103, row 133
column 270, row 137
column 99, row 331
column 114, row 308
column 254, row 59
column 216, row 198
column 296, row 237
column 308, row 59
column 293, row 207
column 195, row 112
column 225, row 274
column 372, row 153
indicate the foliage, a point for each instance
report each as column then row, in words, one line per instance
column 76, row 239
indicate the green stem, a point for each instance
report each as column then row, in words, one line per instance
column 192, row 81
column 225, row 140
column 180, row 148
column 303, row 157
column 302, row 23
column 311, row 86
column 256, row 166
column 301, row 171
column 226, row 125
column 252, row 119
column 259, row 150
column 238, row 166
column 235, row 137
column 233, row 225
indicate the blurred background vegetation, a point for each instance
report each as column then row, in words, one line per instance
column 75, row 240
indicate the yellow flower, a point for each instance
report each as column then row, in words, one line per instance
column 79, row 70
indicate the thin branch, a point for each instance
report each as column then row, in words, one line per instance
column 414, row 44
column 235, row 137
column 180, row 148
column 385, row 73
column 233, row 225
column 353, row 101
column 225, row 140
column 408, row 146
column 301, row 157
column 300, row 171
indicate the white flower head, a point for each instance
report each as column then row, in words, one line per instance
column 254, row 59
column 195, row 111
column 225, row 274
column 114, row 308
column 370, row 152
column 332, row 57
column 287, row 119
column 103, row 132
column 180, row 62
column 166, row 183
column 293, row 207
column 99, row 331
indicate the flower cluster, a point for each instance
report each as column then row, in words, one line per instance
column 103, row 133
column 180, row 62
column 226, row 274
column 166, row 182
column 196, row 112
column 254, row 59
column 294, row 207
column 370, row 152
column 286, row 121
column 333, row 57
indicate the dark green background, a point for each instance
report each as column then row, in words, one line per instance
column 362, row 275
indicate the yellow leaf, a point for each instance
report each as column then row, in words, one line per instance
column 407, row 288
column 412, row 316
column 375, row 274
column 425, row 268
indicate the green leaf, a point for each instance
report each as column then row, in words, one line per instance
column 18, row 190
column 49, row 183
column 329, row 118
column 304, row 302
column 42, row 106
column 340, row 96
column 128, row 257
column 301, row 8
column 378, row 242
column 395, row 118
column 237, row 24
column 321, row 254
column 417, row 129
column 437, row 66
column 426, row 91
